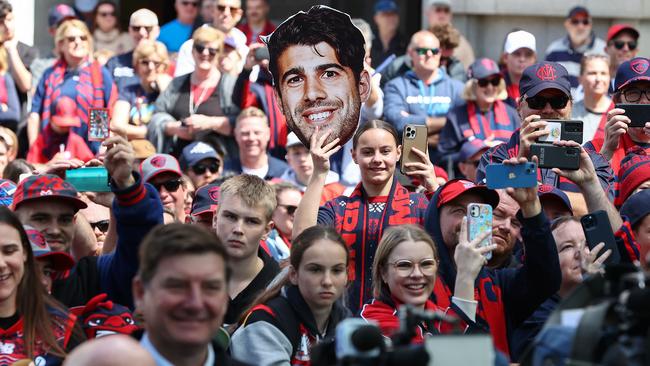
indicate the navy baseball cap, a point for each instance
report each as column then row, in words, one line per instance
column 578, row 10
column 206, row 200
column 386, row 6
column 547, row 190
column 636, row 207
column 195, row 152
column 470, row 148
column 632, row 70
column 482, row 68
column 49, row 186
column 59, row 13
column 545, row 75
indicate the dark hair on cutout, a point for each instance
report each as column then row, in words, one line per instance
column 375, row 123
column 318, row 24
column 15, row 168
column 299, row 246
column 5, row 8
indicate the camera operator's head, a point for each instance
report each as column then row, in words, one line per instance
column 545, row 91
column 570, row 242
column 637, row 211
column 633, row 87
column 405, row 265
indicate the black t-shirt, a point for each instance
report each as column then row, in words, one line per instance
column 244, row 299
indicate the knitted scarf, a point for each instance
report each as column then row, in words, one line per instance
column 480, row 124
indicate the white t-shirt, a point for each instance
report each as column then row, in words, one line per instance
column 259, row 172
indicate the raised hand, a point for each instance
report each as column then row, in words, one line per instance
column 320, row 153
column 120, row 158
column 526, row 197
column 423, row 171
column 592, row 262
column 616, row 126
column 532, row 128
column 585, row 174
column 470, row 258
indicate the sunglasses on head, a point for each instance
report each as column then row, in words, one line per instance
column 631, row 45
column 102, row 225
column 74, row 38
column 136, row 28
column 190, row 3
column 484, row 82
column 579, row 21
column 223, row 8
column 170, row 185
column 200, row 48
column 423, row 51
column 290, row 208
column 200, row 169
column 538, row 102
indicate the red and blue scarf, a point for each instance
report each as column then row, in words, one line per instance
column 480, row 124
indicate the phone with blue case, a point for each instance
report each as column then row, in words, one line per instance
column 507, row 175
column 479, row 220
column 90, row 179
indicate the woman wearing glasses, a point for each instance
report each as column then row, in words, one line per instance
column 485, row 116
column 134, row 107
column 404, row 273
column 106, row 30
column 75, row 75
column 198, row 105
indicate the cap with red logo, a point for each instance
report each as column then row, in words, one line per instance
column 66, row 113
column 632, row 70
column 206, row 200
column 456, row 187
column 157, row 164
column 483, row 68
column 60, row 261
column 545, row 191
column 46, row 187
column 615, row 29
column 542, row 76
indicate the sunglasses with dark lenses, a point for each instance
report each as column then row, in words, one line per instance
column 223, row 8
column 200, row 48
column 101, row 225
column 136, row 28
column 538, row 102
column 484, row 82
column 200, row 169
column 190, row 3
column 106, row 14
column 423, row 51
column 633, row 95
column 578, row 21
column 74, row 38
column 170, row 185
column 631, row 45
column 290, row 209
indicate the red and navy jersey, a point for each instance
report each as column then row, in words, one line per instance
column 510, row 149
column 361, row 221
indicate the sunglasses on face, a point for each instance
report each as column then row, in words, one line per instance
column 137, row 28
column 580, row 21
column 405, row 267
column 484, row 82
column 145, row 62
column 170, row 185
column 200, row 48
column 200, row 169
column 232, row 9
column 74, row 38
column 106, row 14
column 190, row 3
column 101, row 225
column 538, row 102
column 633, row 95
column 423, row 51
column 631, row 45
column 290, row 209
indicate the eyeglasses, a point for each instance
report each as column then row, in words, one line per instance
column 580, row 21
column 145, row 62
column 423, row 51
column 74, row 38
column 484, row 82
column 137, row 28
column 291, row 209
column 633, row 95
column 170, row 185
column 405, row 267
column 233, row 9
column 101, row 225
column 538, row 102
column 190, row 3
column 106, row 14
column 200, row 48
column 200, row 169
column 631, row 45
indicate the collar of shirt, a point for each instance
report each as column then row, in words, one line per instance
column 145, row 342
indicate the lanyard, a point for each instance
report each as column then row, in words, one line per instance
column 429, row 97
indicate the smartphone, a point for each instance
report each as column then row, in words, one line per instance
column 413, row 136
column 479, row 220
column 567, row 130
column 551, row 156
column 506, row 175
column 598, row 229
column 262, row 53
column 98, row 124
column 639, row 114
column 90, row 179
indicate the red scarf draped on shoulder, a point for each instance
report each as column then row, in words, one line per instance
column 625, row 146
column 600, row 132
column 500, row 116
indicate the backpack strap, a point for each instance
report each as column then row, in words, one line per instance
column 286, row 320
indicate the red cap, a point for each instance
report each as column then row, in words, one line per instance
column 618, row 28
column 635, row 169
column 40, row 187
column 456, row 187
column 66, row 113
column 440, row 173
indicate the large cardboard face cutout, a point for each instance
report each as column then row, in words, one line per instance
column 316, row 59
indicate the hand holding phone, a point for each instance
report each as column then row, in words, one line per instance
column 414, row 136
column 551, row 156
column 523, row 175
column 638, row 114
column 479, row 220
column 598, row 230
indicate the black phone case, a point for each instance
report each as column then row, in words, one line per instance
column 598, row 229
column 572, row 131
column 551, row 156
column 638, row 114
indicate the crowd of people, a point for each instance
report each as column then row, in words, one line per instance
column 254, row 191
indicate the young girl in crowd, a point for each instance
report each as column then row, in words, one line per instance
column 404, row 273
column 32, row 324
column 302, row 308
column 378, row 202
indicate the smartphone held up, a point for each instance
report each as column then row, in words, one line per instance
column 479, row 220
column 98, row 124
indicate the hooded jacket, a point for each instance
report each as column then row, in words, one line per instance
column 507, row 296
